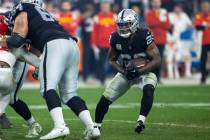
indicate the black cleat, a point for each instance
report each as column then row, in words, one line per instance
column 139, row 127
column 4, row 122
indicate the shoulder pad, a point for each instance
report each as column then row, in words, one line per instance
column 17, row 9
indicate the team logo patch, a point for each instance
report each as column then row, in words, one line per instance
column 119, row 47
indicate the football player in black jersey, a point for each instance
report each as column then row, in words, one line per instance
column 17, row 74
column 58, row 67
column 129, row 43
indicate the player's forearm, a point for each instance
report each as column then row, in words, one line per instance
column 3, row 41
column 116, row 66
column 153, row 64
column 24, row 55
column 31, row 59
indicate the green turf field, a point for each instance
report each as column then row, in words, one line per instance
column 179, row 113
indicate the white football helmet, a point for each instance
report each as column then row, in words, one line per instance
column 127, row 22
column 37, row 2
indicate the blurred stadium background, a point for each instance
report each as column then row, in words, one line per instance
column 82, row 18
column 181, row 107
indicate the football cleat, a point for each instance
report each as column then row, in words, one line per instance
column 99, row 125
column 56, row 133
column 93, row 134
column 139, row 127
column 4, row 122
column 34, row 130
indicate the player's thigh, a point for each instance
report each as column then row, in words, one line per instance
column 20, row 73
column 53, row 64
column 148, row 79
column 116, row 87
column 69, row 79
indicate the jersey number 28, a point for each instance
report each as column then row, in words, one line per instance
column 45, row 15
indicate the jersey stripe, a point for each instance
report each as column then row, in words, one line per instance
column 44, row 70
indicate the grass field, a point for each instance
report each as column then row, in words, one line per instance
column 179, row 113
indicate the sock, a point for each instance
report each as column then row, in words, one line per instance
column 22, row 109
column 77, row 105
column 170, row 70
column 141, row 118
column 54, row 106
column 176, row 71
column 85, row 117
column 147, row 99
column 101, row 109
column 31, row 120
column 57, row 116
column 188, row 69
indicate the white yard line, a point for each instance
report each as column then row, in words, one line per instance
column 170, row 124
column 134, row 105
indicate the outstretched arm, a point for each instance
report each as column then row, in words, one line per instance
column 25, row 55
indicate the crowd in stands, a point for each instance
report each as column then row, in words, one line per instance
column 181, row 30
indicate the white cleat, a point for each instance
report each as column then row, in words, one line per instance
column 56, row 133
column 92, row 134
column 34, row 130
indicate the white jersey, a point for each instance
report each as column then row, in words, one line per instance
column 12, row 77
column 6, row 76
column 180, row 23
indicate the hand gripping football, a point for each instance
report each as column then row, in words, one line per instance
column 137, row 63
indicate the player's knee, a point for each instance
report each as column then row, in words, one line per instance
column 150, row 79
column 66, row 97
column 110, row 94
column 52, row 99
column 13, row 100
column 44, row 90
column 77, row 105
column 104, row 102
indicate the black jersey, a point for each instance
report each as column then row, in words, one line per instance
column 131, row 48
column 42, row 26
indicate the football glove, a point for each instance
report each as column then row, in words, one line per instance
column 132, row 72
column 35, row 74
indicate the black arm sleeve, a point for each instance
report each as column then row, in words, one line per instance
column 15, row 41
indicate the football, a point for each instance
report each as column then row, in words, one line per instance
column 138, row 62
